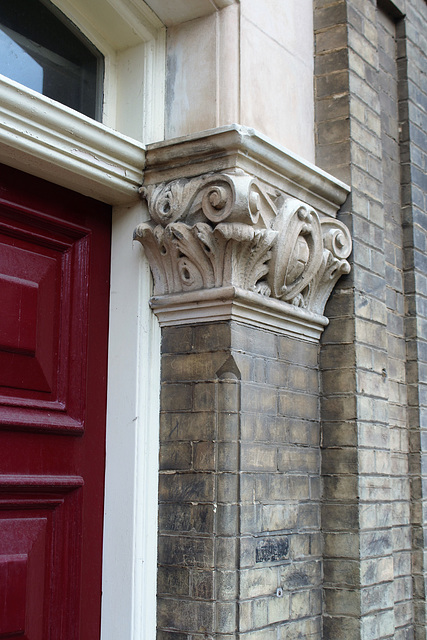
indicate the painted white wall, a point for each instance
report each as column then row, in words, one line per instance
column 277, row 57
column 251, row 64
column 130, row 527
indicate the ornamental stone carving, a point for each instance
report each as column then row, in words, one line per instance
column 227, row 229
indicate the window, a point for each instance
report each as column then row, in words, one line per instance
column 42, row 50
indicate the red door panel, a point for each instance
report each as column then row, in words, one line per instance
column 54, row 286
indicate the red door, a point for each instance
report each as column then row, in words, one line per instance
column 54, row 284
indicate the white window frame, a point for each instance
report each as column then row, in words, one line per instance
column 105, row 161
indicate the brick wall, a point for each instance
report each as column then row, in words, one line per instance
column 239, row 513
column 388, row 79
column 369, row 87
column 412, row 47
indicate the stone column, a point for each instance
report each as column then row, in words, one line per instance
column 244, row 249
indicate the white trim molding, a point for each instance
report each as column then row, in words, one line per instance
column 132, row 40
column 38, row 134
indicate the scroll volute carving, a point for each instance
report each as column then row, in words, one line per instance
column 298, row 251
column 224, row 229
column 212, row 197
column 337, row 247
column 207, row 232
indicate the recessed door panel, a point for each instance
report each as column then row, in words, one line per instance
column 44, row 273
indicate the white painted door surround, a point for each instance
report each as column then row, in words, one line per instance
column 105, row 161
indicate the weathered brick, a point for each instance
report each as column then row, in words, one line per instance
column 189, row 487
column 187, row 426
column 228, row 396
column 176, row 397
column 342, row 601
column 338, row 627
column 331, row 39
column 190, row 366
column 185, row 614
column 330, row 16
column 300, row 604
column 184, row 551
column 226, row 617
column 228, row 456
column 254, row 341
column 173, row 580
column 204, row 456
column 196, row 518
column 204, row 396
column 258, row 399
column 212, row 337
column 176, row 456
column 342, row 573
column 341, row 545
column 329, row 86
column 335, row 131
column 177, row 339
column 258, row 582
column 255, row 457
column 298, row 405
column 297, row 351
column 278, row 609
column 299, row 575
column 297, row 459
column 279, row 517
column 202, row 584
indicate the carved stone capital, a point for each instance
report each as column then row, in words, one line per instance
column 226, row 229
column 241, row 229
column 208, row 232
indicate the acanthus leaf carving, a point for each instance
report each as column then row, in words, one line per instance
column 224, row 229
column 187, row 258
column 246, row 256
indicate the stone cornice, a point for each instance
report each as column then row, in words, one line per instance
column 236, row 146
column 229, row 244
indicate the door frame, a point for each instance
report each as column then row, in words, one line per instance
column 51, row 141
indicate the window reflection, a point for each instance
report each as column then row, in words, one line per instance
column 42, row 50
column 18, row 65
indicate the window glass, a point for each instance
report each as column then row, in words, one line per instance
column 41, row 49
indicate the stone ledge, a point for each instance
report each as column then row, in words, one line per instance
column 233, row 303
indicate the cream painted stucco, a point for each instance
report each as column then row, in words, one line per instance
column 277, row 99
column 219, row 71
